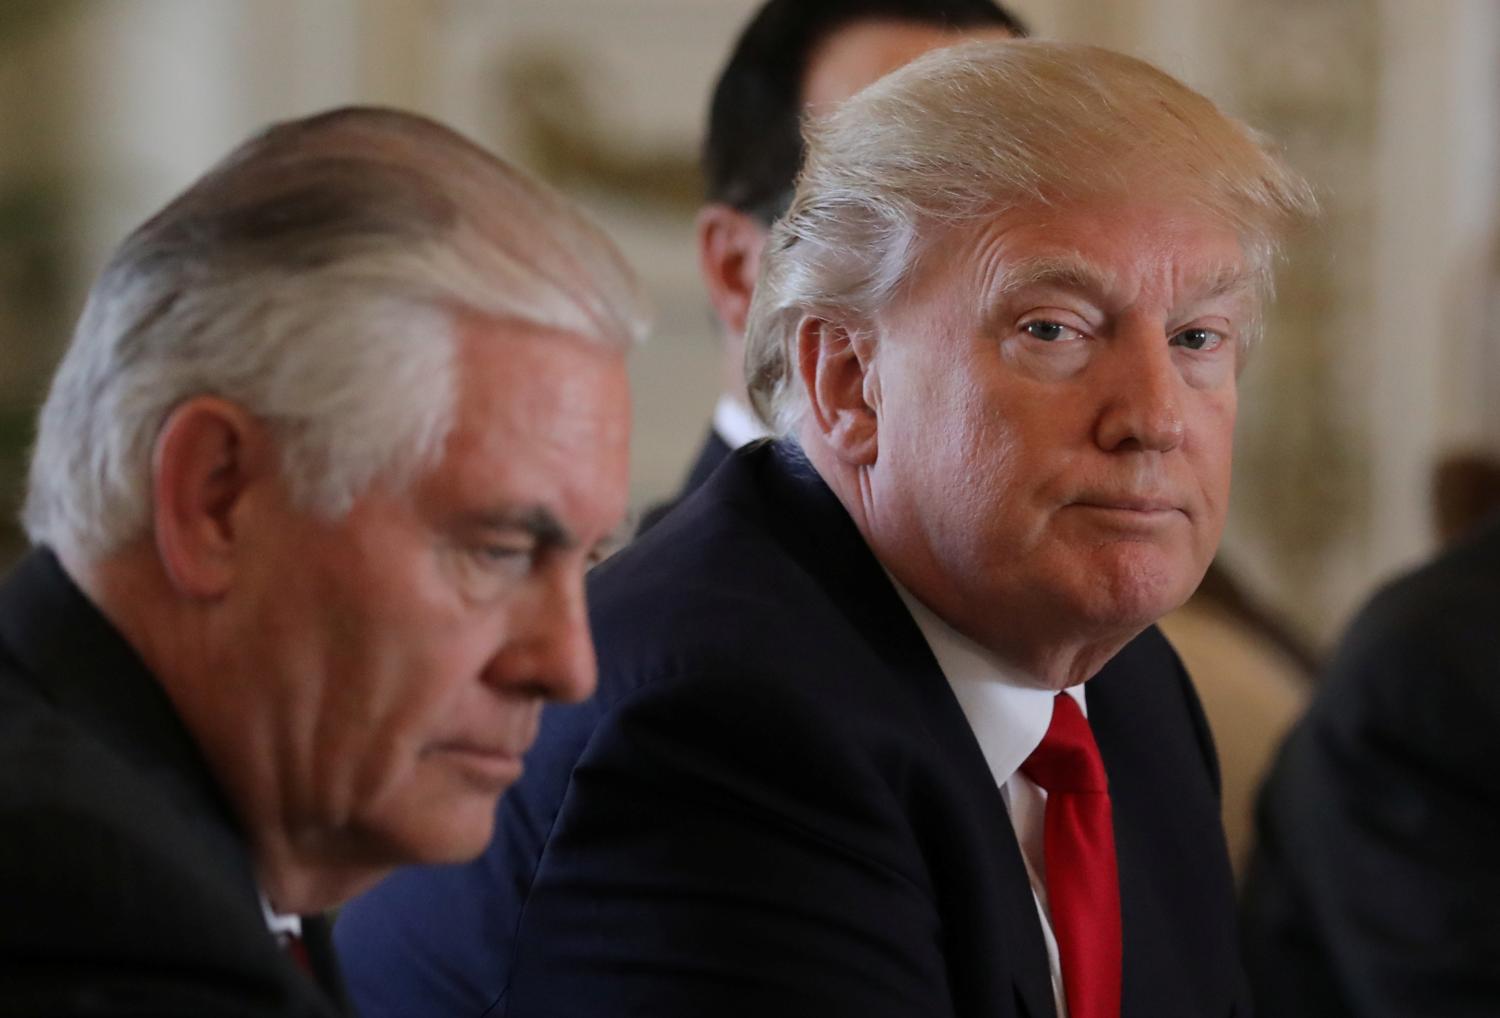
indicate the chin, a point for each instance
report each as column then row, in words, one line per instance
column 1136, row 593
column 455, row 836
column 460, row 842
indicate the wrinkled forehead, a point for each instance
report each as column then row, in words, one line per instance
column 1104, row 244
column 1210, row 275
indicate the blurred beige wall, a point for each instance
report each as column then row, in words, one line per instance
column 1381, row 355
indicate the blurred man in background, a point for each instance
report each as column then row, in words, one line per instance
column 795, row 58
column 312, row 498
column 1375, row 889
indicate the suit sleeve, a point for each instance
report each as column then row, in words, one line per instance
column 1377, row 891
column 726, row 849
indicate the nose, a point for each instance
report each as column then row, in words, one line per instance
column 1143, row 411
column 547, row 649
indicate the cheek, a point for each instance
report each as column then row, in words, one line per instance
column 409, row 695
column 403, row 681
column 1214, row 449
column 436, row 673
column 974, row 472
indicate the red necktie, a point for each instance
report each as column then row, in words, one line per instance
column 1083, row 882
column 296, row 949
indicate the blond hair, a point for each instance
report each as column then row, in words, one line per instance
column 974, row 130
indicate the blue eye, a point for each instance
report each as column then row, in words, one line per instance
column 1048, row 332
column 1198, row 339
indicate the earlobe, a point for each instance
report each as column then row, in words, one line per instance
column 207, row 455
column 729, row 248
column 837, row 368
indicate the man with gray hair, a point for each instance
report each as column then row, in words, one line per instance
column 884, row 729
column 312, row 498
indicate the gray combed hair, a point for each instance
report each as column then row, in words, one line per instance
column 969, row 132
column 315, row 277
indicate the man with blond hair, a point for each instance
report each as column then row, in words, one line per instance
column 884, row 728
column 312, row 498
column 794, row 58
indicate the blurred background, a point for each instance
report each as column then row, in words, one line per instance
column 1383, row 354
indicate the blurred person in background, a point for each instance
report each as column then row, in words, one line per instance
column 794, row 58
column 312, row 497
column 884, row 727
column 1465, row 493
column 1375, row 889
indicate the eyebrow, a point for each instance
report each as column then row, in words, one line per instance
column 1054, row 270
column 1070, row 273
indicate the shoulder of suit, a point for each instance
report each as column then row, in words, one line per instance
column 107, row 874
column 93, row 827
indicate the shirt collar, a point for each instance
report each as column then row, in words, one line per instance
column 736, row 423
column 280, row 925
column 1008, row 715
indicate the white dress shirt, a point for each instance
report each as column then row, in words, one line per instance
column 1009, row 718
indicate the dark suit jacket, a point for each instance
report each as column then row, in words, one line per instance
column 775, row 806
column 1376, row 888
column 125, row 887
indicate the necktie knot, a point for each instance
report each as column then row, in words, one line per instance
column 1068, row 758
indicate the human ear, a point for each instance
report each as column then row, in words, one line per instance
column 843, row 389
column 729, row 247
column 208, row 455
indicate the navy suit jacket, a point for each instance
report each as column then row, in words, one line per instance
column 125, row 884
column 1375, row 889
column 775, row 806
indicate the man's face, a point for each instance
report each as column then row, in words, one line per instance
column 1056, row 405
column 414, row 641
column 851, row 58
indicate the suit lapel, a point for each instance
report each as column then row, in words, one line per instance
column 1176, row 892
column 808, row 518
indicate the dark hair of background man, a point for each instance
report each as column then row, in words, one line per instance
column 753, row 147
